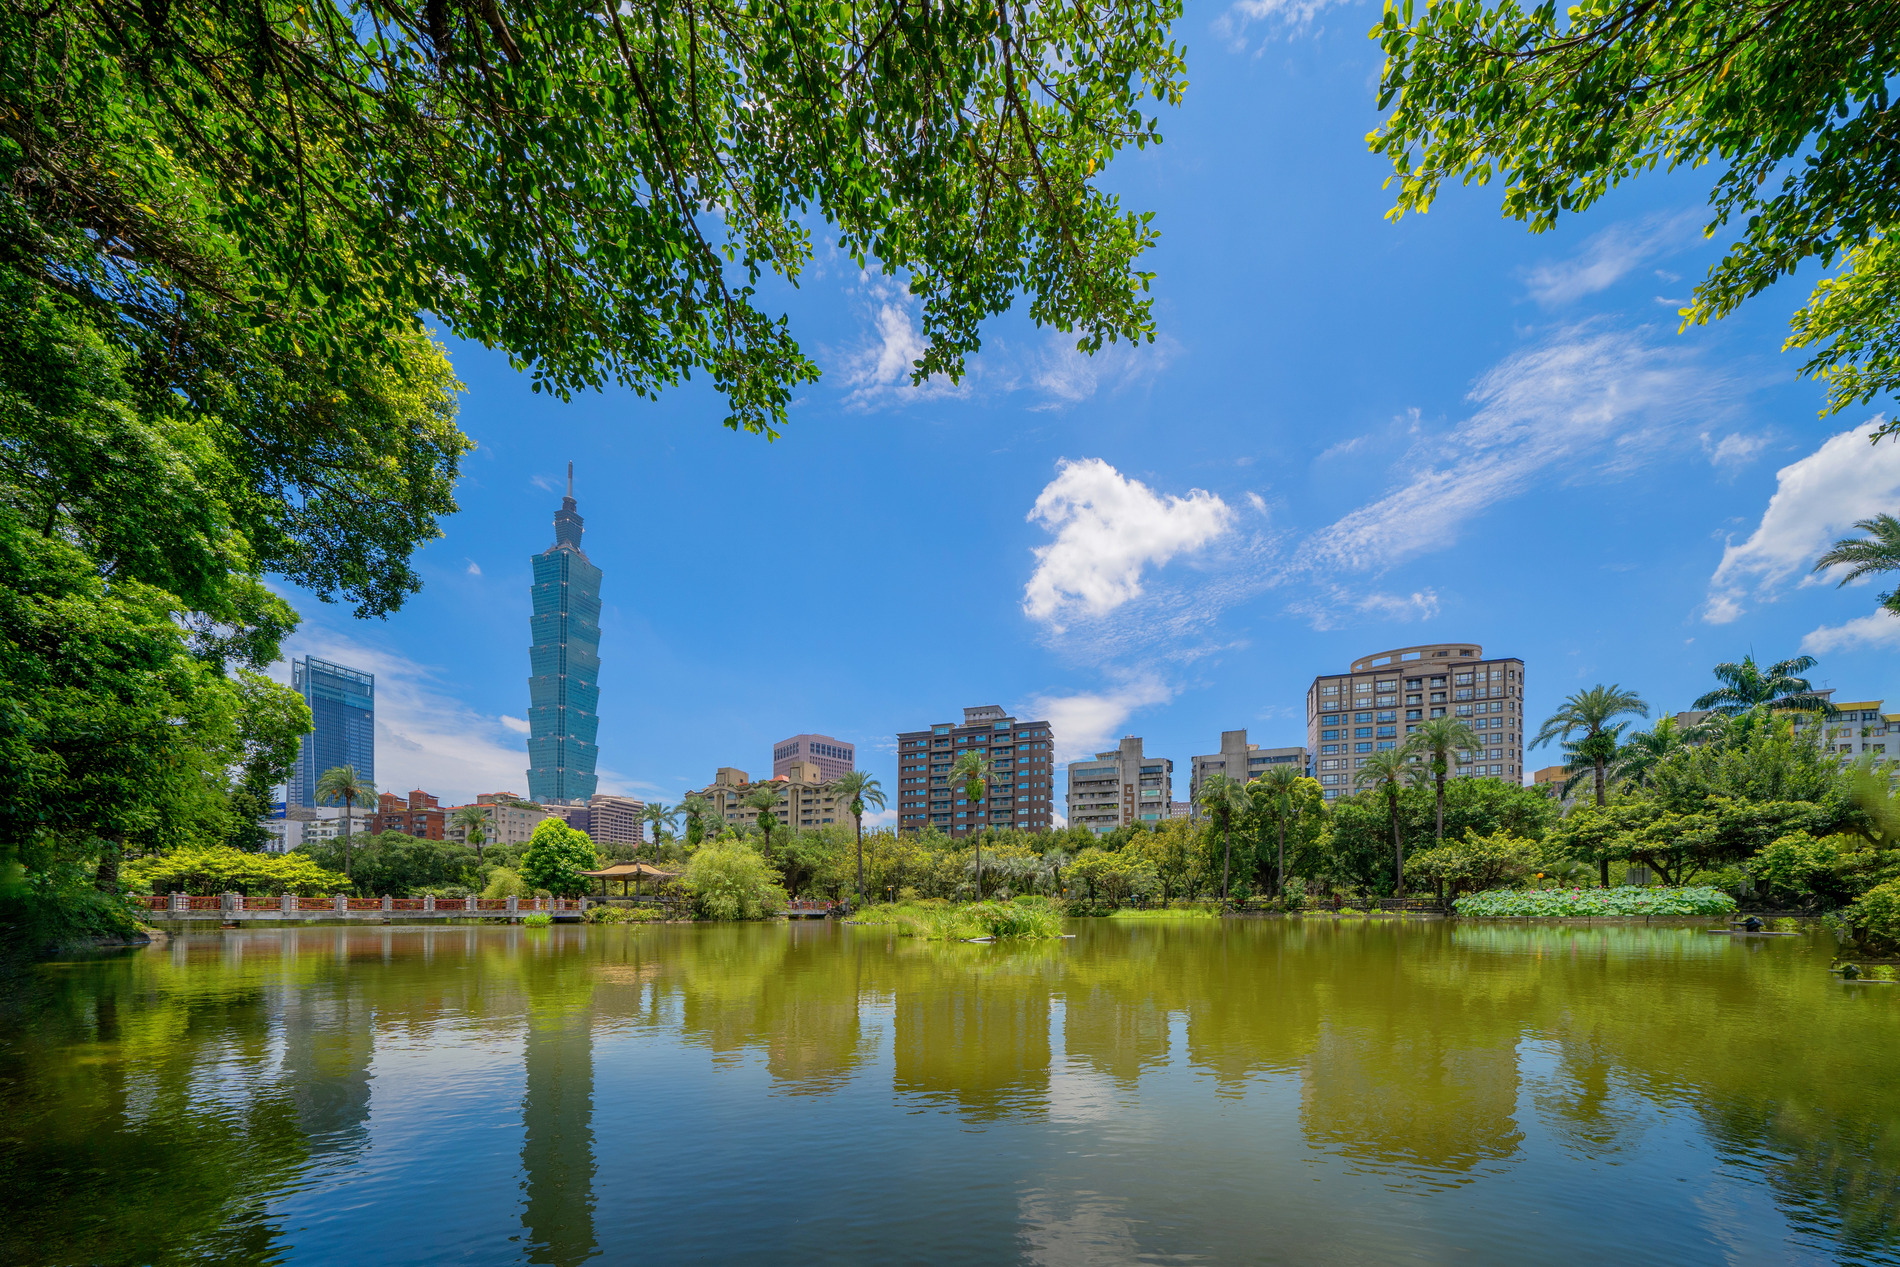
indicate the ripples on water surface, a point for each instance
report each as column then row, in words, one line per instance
column 1232, row 1091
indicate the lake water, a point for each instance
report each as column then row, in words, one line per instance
column 1243, row 1090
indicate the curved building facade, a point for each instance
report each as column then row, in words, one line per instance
column 564, row 662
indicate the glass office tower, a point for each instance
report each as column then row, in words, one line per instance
column 343, row 718
column 564, row 689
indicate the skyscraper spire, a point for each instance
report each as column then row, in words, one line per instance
column 564, row 683
column 570, row 480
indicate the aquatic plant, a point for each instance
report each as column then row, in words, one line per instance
column 939, row 921
column 539, row 919
column 1174, row 911
column 1623, row 901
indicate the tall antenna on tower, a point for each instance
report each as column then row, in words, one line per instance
column 570, row 480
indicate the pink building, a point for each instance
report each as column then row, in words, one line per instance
column 833, row 757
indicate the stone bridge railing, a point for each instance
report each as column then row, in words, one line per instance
column 239, row 905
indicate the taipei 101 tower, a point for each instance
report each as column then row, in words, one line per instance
column 564, row 689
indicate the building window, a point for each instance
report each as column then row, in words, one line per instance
column 1362, row 747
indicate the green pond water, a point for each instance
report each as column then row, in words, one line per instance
column 1243, row 1090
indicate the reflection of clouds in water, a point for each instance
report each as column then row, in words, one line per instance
column 1061, row 1229
column 1585, row 1109
column 1078, row 1095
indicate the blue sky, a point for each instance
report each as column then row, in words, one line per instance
column 1351, row 434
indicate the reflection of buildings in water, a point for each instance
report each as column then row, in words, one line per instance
column 1113, row 1035
column 328, row 1047
column 1066, row 1227
column 557, row 1148
column 1410, row 1097
column 980, row 1043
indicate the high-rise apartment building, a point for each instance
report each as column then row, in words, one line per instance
column 805, row 798
column 343, row 725
column 1239, row 761
column 1384, row 697
column 833, row 757
column 615, row 820
column 564, row 686
column 1119, row 787
column 1020, row 752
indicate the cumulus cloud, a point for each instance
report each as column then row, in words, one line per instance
column 1607, row 257
column 517, row 724
column 1091, row 721
column 1107, row 528
column 1581, row 401
column 1876, row 629
column 1816, row 502
column 424, row 736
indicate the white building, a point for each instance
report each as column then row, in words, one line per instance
column 1119, row 787
column 301, row 825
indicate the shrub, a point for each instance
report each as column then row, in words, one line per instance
column 940, row 921
column 1014, row 919
column 556, row 856
column 625, row 915
column 206, row 870
column 539, row 919
column 729, row 880
column 1876, row 917
column 1624, row 902
column 504, row 883
column 1173, row 910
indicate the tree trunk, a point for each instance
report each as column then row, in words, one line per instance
column 1227, row 863
column 1279, row 873
column 1603, row 864
column 347, row 820
column 1398, row 844
column 860, row 821
column 105, row 878
column 1439, row 836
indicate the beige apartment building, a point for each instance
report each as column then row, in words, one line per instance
column 511, row 821
column 1240, row 761
column 1859, row 728
column 805, row 799
column 1378, row 702
column 1119, row 787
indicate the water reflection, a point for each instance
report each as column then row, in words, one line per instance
column 165, row 1104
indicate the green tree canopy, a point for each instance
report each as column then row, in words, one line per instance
column 1789, row 101
column 555, row 857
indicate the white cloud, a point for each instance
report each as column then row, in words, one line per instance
column 424, row 737
column 1607, row 257
column 879, row 371
column 474, row 568
column 1067, row 377
column 1876, row 629
column 1339, row 606
column 542, row 482
column 1107, row 528
column 1578, row 403
column 517, row 724
column 1816, row 502
column 1733, row 451
column 1091, row 721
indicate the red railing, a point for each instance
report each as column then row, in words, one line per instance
column 808, row 904
column 405, row 905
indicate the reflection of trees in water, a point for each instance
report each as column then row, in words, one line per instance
column 972, row 1027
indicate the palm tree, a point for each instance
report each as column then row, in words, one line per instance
column 473, row 820
column 1224, row 799
column 1879, row 551
column 1780, row 685
column 1643, row 751
column 1276, row 787
column 1388, row 771
column 1590, row 715
column 1580, row 757
column 697, row 811
column 861, row 790
column 764, row 798
column 1434, row 741
column 339, row 785
column 974, row 771
column 663, row 817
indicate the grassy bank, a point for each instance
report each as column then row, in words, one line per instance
column 942, row 921
column 1176, row 911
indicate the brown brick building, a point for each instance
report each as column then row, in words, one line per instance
column 1021, row 795
column 420, row 816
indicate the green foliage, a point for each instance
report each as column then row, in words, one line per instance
column 537, row 919
column 942, row 921
column 1356, row 853
column 1875, row 918
column 625, row 915
column 1172, row 911
column 1112, row 878
column 505, row 883
column 1878, row 551
column 1828, row 872
column 396, row 865
column 1789, row 104
column 206, row 870
column 1475, row 863
column 1621, row 902
column 555, row 857
column 730, row 880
